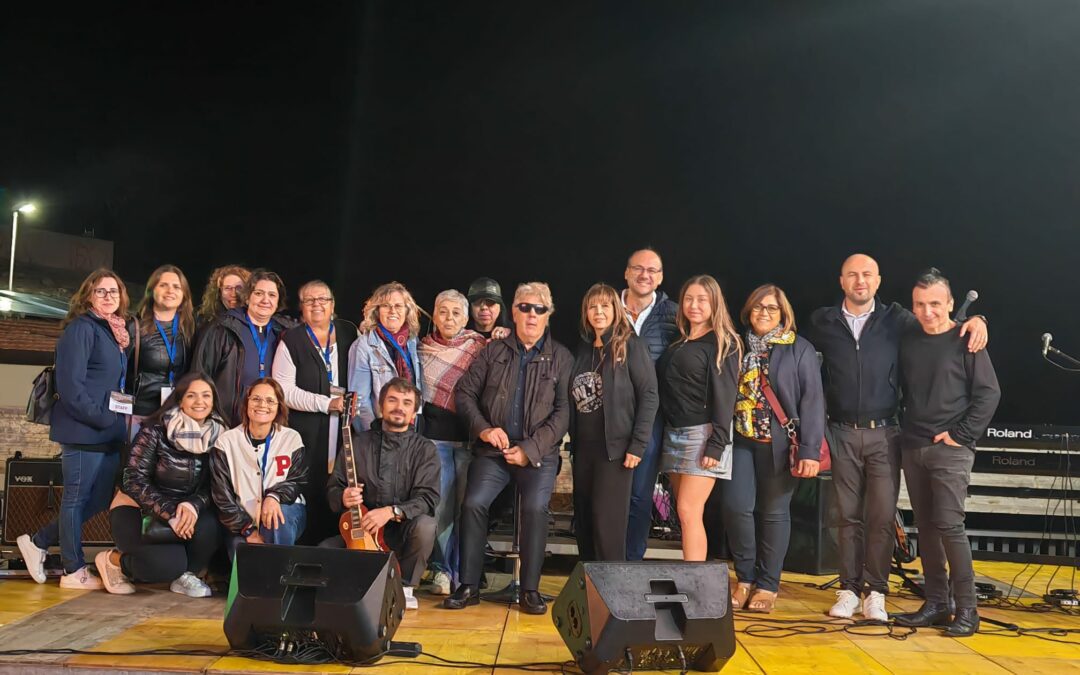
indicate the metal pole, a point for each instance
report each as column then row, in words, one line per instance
column 14, row 230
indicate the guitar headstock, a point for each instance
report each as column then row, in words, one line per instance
column 350, row 409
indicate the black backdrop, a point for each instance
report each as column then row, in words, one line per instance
column 433, row 143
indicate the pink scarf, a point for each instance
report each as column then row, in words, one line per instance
column 118, row 327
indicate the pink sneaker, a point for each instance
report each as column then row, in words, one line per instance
column 112, row 577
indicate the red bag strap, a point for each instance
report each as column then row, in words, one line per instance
column 778, row 410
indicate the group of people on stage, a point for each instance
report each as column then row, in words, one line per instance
column 229, row 420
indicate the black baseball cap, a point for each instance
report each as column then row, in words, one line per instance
column 485, row 288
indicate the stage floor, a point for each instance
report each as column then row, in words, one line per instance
column 36, row 616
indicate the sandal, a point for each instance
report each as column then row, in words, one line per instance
column 762, row 601
column 739, row 593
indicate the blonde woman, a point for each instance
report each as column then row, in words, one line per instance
column 384, row 349
column 697, row 376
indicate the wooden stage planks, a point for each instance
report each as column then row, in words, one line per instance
column 33, row 616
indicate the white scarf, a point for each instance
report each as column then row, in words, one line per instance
column 189, row 435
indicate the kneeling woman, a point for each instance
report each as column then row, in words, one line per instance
column 259, row 472
column 163, row 522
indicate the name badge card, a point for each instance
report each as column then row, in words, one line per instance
column 122, row 403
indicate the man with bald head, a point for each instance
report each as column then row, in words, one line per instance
column 859, row 340
column 652, row 314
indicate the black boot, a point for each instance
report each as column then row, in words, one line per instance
column 531, row 602
column 964, row 624
column 464, row 596
column 930, row 614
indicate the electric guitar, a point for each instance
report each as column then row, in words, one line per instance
column 349, row 525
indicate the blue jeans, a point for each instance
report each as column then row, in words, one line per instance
column 89, row 478
column 454, row 460
column 641, row 494
column 285, row 534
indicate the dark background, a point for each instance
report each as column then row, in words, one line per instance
column 433, row 143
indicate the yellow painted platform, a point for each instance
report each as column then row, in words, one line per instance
column 33, row 616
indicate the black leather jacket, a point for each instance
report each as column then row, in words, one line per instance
column 159, row 476
column 153, row 371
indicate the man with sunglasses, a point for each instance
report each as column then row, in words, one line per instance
column 859, row 340
column 514, row 399
column 652, row 314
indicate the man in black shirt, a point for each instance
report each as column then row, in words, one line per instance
column 950, row 396
column 398, row 471
column 860, row 342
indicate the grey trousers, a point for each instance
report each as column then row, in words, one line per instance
column 937, row 478
column 866, row 476
column 411, row 541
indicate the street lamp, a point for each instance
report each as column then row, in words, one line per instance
column 25, row 208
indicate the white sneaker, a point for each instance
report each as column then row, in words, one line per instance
column 82, row 580
column 846, row 604
column 440, row 583
column 410, row 600
column 112, row 577
column 33, row 556
column 873, row 607
column 190, row 585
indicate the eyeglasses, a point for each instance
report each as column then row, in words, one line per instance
column 640, row 269
column 766, row 309
column 268, row 402
column 396, row 309
column 311, row 302
column 484, row 302
column 232, row 289
column 535, row 307
column 107, row 292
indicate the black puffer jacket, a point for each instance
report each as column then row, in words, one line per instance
column 153, row 370
column 159, row 476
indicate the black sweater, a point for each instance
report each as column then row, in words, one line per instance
column 693, row 392
column 946, row 388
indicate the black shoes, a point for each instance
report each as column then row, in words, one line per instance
column 964, row 624
column 927, row 615
column 464, row 596
column 531, row 602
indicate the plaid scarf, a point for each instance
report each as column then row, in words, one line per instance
column 443, row 362
column 401, row 337
column 189, row 435
column 753, row 416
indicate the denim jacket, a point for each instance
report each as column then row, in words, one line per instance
column 371, row 366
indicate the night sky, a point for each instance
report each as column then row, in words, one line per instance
column 433, row 143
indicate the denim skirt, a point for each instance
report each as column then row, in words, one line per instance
column 683, row 448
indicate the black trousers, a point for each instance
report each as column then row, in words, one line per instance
column 155, row 563
column 487, row 477
column 866, row 476
column 411, row 541
column 937, row 478
column 601, row 504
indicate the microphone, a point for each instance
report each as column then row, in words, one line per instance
column 961, row 315
column 1046, row 338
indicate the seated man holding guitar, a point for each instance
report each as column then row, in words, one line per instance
column 386, row 480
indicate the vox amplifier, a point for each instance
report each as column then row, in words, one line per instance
column 32, row 492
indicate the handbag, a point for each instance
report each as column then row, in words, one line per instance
column 792, row 428
column 43, row 397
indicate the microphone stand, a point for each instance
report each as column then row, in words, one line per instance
column 1060, row 354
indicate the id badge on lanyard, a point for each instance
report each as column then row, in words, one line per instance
column 120, row 402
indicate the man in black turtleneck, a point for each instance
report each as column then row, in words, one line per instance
column 398, row 471
column 949, row 398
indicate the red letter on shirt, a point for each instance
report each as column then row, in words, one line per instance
column 283, row 464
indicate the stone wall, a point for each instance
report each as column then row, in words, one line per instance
column 16, row 434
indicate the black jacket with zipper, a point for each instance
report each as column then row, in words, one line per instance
column 484, row 395
column 630, row 396
column 146, row 380
column 861, row 378
column 159, row 476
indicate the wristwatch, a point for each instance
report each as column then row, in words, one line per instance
column 399, row 515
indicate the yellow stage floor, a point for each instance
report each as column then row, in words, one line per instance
column 44, row 616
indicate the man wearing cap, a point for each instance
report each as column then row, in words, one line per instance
column 487, row 308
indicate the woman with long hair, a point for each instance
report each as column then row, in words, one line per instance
column 614, row 392
column 757, row 506
column 697, row 375
column 163, row 521
column 166, row 330
column 223, row 292
column 88, row 421
column 384, row 349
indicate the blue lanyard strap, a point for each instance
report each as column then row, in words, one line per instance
column 123, row 369
column 266, row 453
column 325, row 352
column 261, row 345
column 170, row 347
column 403, row 352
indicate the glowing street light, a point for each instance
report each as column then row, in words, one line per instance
column 23, row 208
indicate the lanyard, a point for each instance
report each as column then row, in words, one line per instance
column 123, row 369
column 170, row 347
column 260, row 345
column 325, row 352
column 404, row 353
column 266, row 453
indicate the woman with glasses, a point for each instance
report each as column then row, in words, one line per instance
column 88, row 421
column 384, row 349
column 697, row 394
column 259, row 472
column 221, row 294
column 239, row 347
column 756, row 506
column 312, row 368
column 614, row 395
